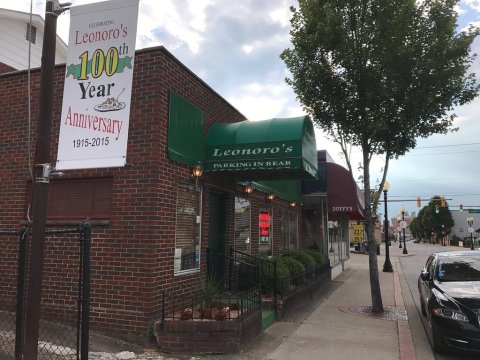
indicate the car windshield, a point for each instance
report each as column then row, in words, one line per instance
column 459, row 268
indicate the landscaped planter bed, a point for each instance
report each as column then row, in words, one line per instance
column 207, row 336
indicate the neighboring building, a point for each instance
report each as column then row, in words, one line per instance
column 15, row 35
column 339, row 202
column 460, row 227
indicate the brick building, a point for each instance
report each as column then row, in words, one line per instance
column 152, row 220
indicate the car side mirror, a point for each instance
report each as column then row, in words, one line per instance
column 425, row 274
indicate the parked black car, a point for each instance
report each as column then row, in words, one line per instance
column 449, row 287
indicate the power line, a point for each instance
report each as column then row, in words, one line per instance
column 409, row 196
column 440, row 179
column 449, row 153
column 441, row 146
column 434, row 147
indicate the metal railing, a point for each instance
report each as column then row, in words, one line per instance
column 219, row 307
column 294, row 283
column 244, row 271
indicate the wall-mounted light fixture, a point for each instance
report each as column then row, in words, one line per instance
column 270, row 196
column 248, row 190
column 293, row 204
column 197, row 172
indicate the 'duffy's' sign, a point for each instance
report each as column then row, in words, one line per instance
column 98, row 85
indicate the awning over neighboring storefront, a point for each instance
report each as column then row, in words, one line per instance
column 334, row 181
column 344, row 196
column 269, row 149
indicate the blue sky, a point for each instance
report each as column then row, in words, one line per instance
column 234, row 47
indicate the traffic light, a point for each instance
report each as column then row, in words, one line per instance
column 419, row 202
column 461, row 207
column 437, row 210
column 442, row 199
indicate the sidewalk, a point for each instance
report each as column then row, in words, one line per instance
column 338, row 325
column 335, row 324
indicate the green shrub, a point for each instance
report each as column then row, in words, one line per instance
column 247, row 276
column 318, row 256
column 302, row 256
column 282, row 270
column 293, row 265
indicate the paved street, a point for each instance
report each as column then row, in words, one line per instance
column 411, row 265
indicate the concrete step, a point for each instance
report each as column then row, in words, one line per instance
column 268, row 318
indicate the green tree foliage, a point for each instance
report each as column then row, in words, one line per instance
column 433, row 219
column 378, row 74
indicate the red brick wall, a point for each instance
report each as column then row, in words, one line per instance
column 132, row 256
column 207, row 336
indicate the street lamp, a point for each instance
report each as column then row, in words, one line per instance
column 470, row 230
column 387, row 266
column 444, row 242
column 399, row 218
column 402, row 210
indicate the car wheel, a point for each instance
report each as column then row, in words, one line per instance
column 422, row 307
column 438, row 343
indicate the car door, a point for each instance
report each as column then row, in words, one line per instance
column 425, row 284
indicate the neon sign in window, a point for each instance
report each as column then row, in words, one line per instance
column 265, row 226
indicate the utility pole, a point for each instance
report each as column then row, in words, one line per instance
column 42, row 170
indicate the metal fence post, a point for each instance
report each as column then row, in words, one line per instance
column 230, row 270
column 20, row 316
column 86, row 231
column 275, row 288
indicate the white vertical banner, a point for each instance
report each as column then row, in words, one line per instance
column 98, row 85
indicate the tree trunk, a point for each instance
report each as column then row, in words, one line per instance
column 377, row 304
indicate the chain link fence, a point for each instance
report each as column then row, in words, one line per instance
column 64, row 310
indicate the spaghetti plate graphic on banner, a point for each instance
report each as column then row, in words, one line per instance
column 98, row 85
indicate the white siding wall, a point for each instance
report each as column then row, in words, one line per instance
column 14, row 46
column 460, row 228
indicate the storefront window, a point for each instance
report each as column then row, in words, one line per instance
column 288, row 230
column 292, row 230
column 338, row 240
column 242, row 225
column 314, row 227
column 265, row 232
column 187, row 235
column 283, row 219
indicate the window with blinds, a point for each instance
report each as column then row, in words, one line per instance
column 187, row 236
column 283, row 220
column 293, row 230
column 242, row 225
column 78, row 199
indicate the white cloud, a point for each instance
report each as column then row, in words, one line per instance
column 474, row 4
column 247, row 49
column 281, row 15
column 257, row 107
column 459, row 10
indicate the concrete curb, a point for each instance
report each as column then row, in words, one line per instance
column 405, row 341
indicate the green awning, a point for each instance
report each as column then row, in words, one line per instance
column 185, row 131
column 284, row 189
column 268, row 149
